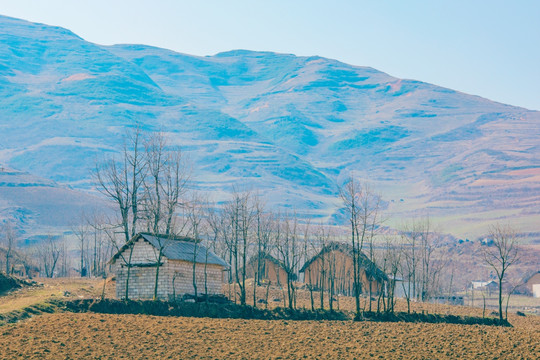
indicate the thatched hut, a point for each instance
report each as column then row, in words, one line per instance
column 267, row 268
column 333, row 267
column 181, row 257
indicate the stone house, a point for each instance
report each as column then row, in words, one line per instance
column 179, row 255
column 333, row 266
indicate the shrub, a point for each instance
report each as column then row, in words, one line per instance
column 429, row 318
column 197, row 309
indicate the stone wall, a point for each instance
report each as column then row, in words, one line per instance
column 182, row 274
column 143, row 275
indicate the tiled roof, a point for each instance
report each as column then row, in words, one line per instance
column 175, row 249
column 183, row 248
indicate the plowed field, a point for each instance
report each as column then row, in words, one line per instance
column 98, row 336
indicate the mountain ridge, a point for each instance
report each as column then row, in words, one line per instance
column 293, row 127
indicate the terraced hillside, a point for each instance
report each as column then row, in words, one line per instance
column 292, row 127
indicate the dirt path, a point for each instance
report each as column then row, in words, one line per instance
column 51, row 288
column 97, row 336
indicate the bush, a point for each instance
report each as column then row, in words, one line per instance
column 197, row 309
column 8, row 283
column 429, row 318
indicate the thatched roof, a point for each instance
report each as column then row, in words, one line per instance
column 280, row 264
column 347, row 249
column 266, row 256
column 176, row 248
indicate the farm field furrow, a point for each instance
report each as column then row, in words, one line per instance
column 98, row 336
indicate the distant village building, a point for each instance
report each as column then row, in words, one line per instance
column 176, row 267
column 333, row 266
column 267, row 268
column 478, row 284
column 484, row 285
column 533, row 284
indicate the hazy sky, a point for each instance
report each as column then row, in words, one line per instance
column 487, row 48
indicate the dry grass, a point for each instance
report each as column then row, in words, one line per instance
column 53, row 288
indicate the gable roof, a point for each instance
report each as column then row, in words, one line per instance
column 176, row 248
column 347, row 249
column 529, row 276
column 266, row 256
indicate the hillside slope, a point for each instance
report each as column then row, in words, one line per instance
column 292, row 127
column 42, row 205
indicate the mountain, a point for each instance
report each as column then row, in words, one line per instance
column 40, row 204
column 292, row 127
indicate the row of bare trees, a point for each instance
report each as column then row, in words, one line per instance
column 50, row 258
column 415, row 259
column 147, row 183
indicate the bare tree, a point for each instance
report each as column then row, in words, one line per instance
column 163, row 242
column 362, row 207
column 411, row 237
column 8, row 237
column 195, row 215
column 102, row 249
column 217, row 221
column 121, row 181
column 165, row 183
column 288, row 246
column 323, row 238
column 501, row 254
column 241, row 214
column 308, row 252
column 391, row 262
column 28, row 258
column 127, row 261
column 263, row 232
column 332, row 275
column 81, row 231
column 146, row 185
column 432, row 262
column 48, row 254
column 408, row 266
column 64, row 259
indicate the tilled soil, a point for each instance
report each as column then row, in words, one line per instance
column 99, row 336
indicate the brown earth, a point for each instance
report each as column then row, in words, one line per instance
column 98, row 336
column 101, row 336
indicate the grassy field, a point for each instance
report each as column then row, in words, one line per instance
column 101, row 336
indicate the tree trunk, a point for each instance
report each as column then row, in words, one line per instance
column 129, row 271
column 158, row 265
column 500, row 300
